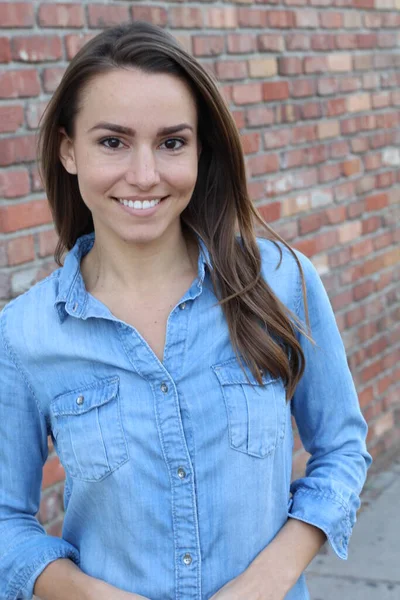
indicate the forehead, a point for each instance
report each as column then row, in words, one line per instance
column 135, row 97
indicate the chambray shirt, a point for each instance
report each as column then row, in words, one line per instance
column 178, row 473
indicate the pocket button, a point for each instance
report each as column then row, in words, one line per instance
column 80, row 400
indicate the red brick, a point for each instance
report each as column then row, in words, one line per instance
column 376, row 202
column 304, row 133
column 281, row 19
column 322, row 42
column 247, row 93
column 61, row 15
column 355, row 316
column 276, row 138
column 327, row 86
column 53, row 472
column 208, row 45
column 55, row 528
column 263, row 163
column 259, row 115
column 52, row 77
column 100, row 15
column 152, row 14
column 11, row 118
column 185, row 17
column 361, row 249
column 51, row 506
column 331, row 20
column 367, row 40
column 270, row 43
column 310, row 223
column 231, row 69
column 315, row 64
column 16, row 14
column 18, row 149
column 21, row 216
column 14, row 184
column 37, row 185
column 21, row 83
column 307, row 19
column 20, row 250
column 275, row 91
column 240, row 43
column 221, row 17
column 291, row 65
column 251, row 17
column 36, row 48
column 250, row 142
column 34, row 113
column 297, row 41
column 270, row 212
column 326, row 240
column 47, row 242
column 307, row 247
column 5, row 50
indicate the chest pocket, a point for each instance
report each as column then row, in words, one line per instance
column 256, row 413
column 88, row 430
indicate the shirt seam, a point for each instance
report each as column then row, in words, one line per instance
column 12, row 355
column 327, row 496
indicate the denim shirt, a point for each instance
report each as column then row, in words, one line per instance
column 178, row 473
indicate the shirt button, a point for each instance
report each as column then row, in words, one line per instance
column 181, row 473
column 164, row 388
column 80, row 400
column 187, row 559
column 182, row 306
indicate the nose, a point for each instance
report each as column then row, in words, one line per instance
column 142, row 169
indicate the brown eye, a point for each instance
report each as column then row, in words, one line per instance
column 111, row 142
column 171, row 143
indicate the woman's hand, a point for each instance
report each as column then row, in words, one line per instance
column 245, row 587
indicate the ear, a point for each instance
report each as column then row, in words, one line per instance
column 66, row 153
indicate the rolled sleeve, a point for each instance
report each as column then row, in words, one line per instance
column 331, row 426
column 25, row 548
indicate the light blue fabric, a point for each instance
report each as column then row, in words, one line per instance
column 178, row 473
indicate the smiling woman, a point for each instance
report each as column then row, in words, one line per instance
column 174, row 347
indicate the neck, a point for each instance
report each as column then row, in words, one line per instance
column 138, row 268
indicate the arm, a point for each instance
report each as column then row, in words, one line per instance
column 325, row 501
column 30, row 560
column 63, row 580
column 331, row 426
column 25, row 549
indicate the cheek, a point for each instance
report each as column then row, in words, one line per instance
column 182, row 175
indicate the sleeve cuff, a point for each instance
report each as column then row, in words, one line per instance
column 31, row 559
column 327, row 513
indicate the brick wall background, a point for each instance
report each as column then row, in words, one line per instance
column 314, row 86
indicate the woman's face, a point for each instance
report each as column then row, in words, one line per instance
column 135, row 153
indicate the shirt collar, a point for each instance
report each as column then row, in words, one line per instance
column 72, row 296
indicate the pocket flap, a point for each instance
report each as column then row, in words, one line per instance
column 85, row 398
column 230, row 372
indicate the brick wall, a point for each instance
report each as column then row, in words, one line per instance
column 314, row 86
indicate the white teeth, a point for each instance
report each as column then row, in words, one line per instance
column 138, row 204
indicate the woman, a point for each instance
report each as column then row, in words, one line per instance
column 166, row 356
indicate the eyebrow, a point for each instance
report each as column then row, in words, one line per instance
column 129, row 131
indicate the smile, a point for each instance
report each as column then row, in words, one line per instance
column 138, row 204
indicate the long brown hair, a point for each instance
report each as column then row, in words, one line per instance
column 220, row 212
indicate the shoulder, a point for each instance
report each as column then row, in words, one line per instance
column 23, row 318
column 283, row 268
